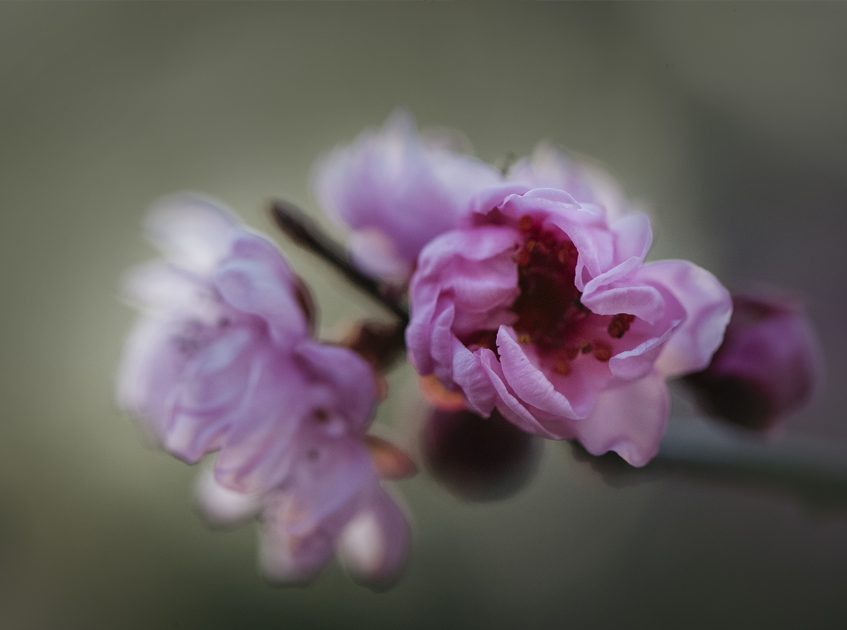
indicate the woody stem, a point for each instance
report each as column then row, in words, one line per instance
column 303, row 231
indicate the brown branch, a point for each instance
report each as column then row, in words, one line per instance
column 303, row 231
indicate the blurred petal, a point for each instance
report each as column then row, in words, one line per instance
column 260, row 450
column 221, row 506
column 255, row 279
column 375, row 544
column 550, row 167
column 377, row 254
column 393, row 182
column 192, row 231
column 288, row 558
column 332, row 476
column 350, row 378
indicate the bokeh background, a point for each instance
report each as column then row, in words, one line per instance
column 728, row 120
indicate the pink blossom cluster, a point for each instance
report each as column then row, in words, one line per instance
column 533, row 311
column 534, row 297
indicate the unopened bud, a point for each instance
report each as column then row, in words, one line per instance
column 478, row 459
column 767, row 366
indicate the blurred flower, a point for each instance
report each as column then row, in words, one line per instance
column 336, row 505
column 548, row 167
column 542, row 307
column 303, row 450
column 223, row 360
column 397, row 190
column 217, row 311
column 767, row 366
column 478, row 458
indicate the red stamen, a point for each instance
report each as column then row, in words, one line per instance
column 602, row 351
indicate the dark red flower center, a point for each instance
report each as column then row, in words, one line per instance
column 551, row 315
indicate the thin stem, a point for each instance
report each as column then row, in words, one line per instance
column 813, row 471
column 303, row 231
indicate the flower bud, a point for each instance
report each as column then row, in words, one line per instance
column 478, row 459
column 767, row 366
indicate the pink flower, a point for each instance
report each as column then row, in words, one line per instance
column 397, row 191
column 543, row 308
column 332, row 504
column 305, row 525
column 223, row 360
column 215, row 312
column 299, row 457
column 768, row 365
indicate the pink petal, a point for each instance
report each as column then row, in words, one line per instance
column 528, row 382
column 633, row 235
column 255, row 279
column 192, row 231
column 260, row 451
column 394, row 181
column 376, row 253
column 347, row 375
column 629, row 420
column 149, row 374
column 221, row 506
column 289, row 558
column 472, row 379
column 375, row 544
column 549, row 167
column 706, row 305
column 507, row 403
column 331, row 477
column 618, row 290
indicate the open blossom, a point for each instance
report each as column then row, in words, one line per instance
column 543, row 308
column 332, row 503
column 304, row 525
column 216, row 310
column 397, row 190
column 768, row 365
column 223, row 361
column 300, row 459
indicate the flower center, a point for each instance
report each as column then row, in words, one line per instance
column 550, row 312
column 549, row 308
column 549, row 303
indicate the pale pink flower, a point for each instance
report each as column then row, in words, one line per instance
column 217, row 308
column 306, row 523
column 543, row 308
column 300, row 461
column 768, row 366
column 333, row 504
column 397, row 190
column 223, row 360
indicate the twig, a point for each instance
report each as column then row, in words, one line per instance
column 303, row 231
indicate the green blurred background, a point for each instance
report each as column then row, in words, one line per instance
column 729, row 120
